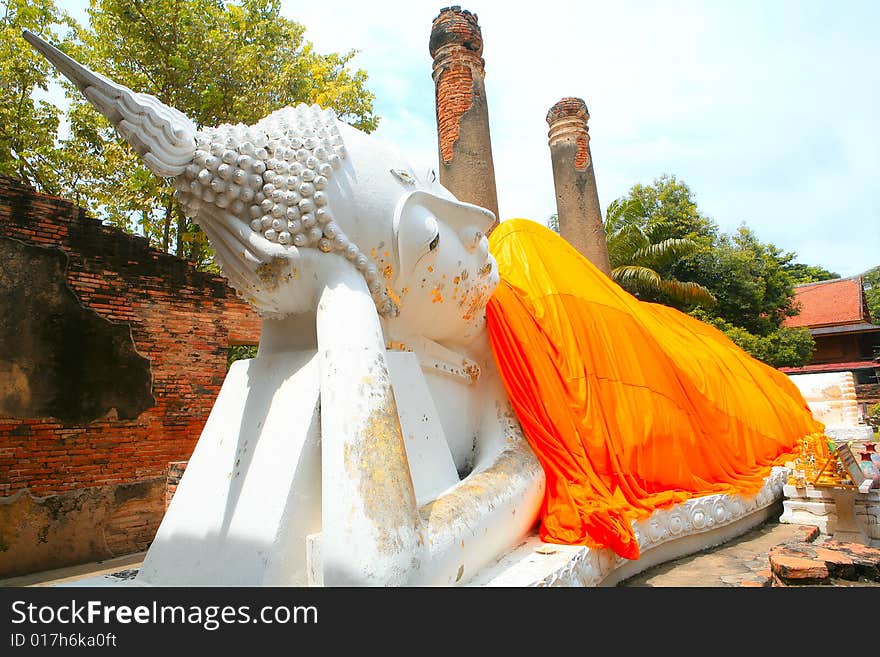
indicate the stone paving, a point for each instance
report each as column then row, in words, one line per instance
column 772, row 554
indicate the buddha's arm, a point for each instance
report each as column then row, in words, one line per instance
column 373, row 531
column 491, row 509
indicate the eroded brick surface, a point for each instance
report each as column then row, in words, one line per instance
column 568, row 107
column 456, row 45
column 180, row 319
column 574, row 112
column 790, row 565
column 800, row 562
column 172, row 479
column 582, row 159
column 455, row 95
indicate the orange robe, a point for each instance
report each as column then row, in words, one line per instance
column 629, row 406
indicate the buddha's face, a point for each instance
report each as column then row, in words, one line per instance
column 446, row 274
column 423, row 254
column 430, row 250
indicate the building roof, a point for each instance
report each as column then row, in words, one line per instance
column 833, row 367
column 830, row 303
column 845, row 328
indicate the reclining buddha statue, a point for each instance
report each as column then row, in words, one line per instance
column 423, row 395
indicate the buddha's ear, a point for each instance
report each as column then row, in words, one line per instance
column 417, row 222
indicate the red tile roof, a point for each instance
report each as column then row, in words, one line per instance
column 835, row 302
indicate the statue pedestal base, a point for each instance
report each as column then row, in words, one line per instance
column 251, row 491
column 856, row 517
column 860, row 433
column 668, row 534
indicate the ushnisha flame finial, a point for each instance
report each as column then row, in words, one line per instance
column 161, row 135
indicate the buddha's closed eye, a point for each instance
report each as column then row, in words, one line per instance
column 428, row 233
column 418, row 235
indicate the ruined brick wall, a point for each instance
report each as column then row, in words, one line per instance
column 172, row 480
column 82, row 475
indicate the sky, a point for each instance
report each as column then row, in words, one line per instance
column 767, row 110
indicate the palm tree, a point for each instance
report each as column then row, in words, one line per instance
column 636, row 258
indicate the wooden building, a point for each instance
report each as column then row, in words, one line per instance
column 836, row 314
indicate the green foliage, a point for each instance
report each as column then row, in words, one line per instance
column 782, row 347
column 801, row 273
column 751, row 282
column 215, row 61
column 28, row 126
column 871, row 283
column 637, row 257
column 670, row 211
column 748, row 278
column 240, row 352
column 755, row 295
column 873, row 417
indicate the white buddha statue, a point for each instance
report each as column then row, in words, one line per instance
column 371, row 441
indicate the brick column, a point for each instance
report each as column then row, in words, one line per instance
column 172, row 478
column 466, row 167
column 577, row 200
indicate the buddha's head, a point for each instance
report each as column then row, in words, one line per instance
column 299, row 193
column 314, row 193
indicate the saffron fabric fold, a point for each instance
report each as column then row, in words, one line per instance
column 629, row 406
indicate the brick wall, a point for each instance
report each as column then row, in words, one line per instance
column 868, row 392
column 181, row 320
column 173, row 477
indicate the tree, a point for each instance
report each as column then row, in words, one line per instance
column 801, row 273
column 755, row 293
column 670, row 210
column 871, row 283
column 748, row 278
column 28, row 125
column 752, row 282
column 215, row 61
column 637, row 256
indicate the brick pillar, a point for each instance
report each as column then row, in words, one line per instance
column 172, row 479
column 466, row 167
column 577, row 200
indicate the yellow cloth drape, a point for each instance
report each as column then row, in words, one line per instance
column 629, row 405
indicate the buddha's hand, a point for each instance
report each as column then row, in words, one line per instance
column 277, row 279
